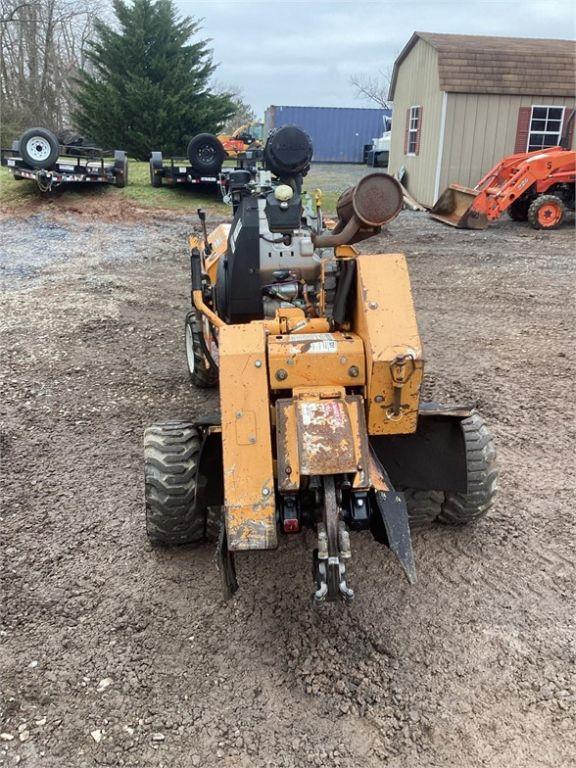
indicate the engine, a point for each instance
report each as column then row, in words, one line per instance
column 278, row 253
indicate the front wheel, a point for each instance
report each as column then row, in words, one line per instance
column 462, row 508
column 546, row 212
column 171, row 477
column 203, row 372
column 457, row 507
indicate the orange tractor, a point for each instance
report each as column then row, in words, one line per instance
column 535, row 186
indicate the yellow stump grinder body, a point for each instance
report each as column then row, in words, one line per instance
column 316, row 352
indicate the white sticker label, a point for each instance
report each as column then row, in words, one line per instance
column 11, row 162
column 182, row 170
column 315, row 342
column 235, row 234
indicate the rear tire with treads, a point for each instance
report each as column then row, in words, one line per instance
column 171, row 452
column 518, row 211
column 423, row 506
column 462, row 508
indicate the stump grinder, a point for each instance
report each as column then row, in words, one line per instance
column 316, row 353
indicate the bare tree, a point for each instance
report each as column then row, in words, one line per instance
column 373, row 87
column 42, row 45
column 244, row 114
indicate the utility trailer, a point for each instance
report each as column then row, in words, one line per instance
column 39, row 156
column 201, row 166
column 176, row 171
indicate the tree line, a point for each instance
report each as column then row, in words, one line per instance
column 134, row 76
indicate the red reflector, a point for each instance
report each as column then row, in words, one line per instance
column 291, row 525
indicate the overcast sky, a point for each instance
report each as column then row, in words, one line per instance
column 302, row 52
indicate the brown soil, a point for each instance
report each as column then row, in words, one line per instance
column 115, row 654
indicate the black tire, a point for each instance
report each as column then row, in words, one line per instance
column 155, row 166
column 202, row 373
column 39, row 148
column 120, row 169
column 423, row 506
column 171, row 452
column 462, row 508
column 518, row 211
column 205, row 153
column 542, row 202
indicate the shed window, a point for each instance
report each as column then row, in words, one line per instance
column 413, row 138
column 545, row 127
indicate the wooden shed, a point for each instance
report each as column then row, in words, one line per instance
column 462, row 102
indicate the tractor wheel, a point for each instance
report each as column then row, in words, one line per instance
column 39, row 148
column 518, row 211
column 171, row 452
column 423, row 506
column 202, row 373
column 462, row 508
column 546, row 212
column 206, row 154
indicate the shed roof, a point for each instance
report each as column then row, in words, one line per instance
column 508, row 65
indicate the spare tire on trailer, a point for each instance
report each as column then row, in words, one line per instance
column 39, row 148
column 205, row 153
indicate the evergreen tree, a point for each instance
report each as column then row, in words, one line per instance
column 147, row 86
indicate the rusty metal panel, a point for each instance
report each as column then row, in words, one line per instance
column 250, row 509
column 385, row 319
column 319, row 435
column 324, row 437
column 287, row 446
column 316, row 359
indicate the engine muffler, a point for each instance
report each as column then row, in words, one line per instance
column 363, row 210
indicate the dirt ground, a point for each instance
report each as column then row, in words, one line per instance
column 115, row 654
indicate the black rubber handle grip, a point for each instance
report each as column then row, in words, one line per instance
column 196, row 269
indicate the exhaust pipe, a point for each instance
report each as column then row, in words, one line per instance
column 363, row 210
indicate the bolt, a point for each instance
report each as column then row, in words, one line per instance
column 266, row 492
column 238, row 414
column 359, row 467
column 288, row 470
column 252, row 440
column 343, row 360
column 281, row 374
column 379, row 399
column 258, row 363
column 373, row 304
column 353, row 371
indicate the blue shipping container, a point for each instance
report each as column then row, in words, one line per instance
column 338, row 133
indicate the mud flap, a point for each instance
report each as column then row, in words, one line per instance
column 394, row 516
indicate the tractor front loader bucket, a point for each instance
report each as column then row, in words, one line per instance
column 455, row 207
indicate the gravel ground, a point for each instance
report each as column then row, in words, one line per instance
column 114, row 654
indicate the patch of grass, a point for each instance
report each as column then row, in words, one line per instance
column 331, row 179
column 179, row 198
